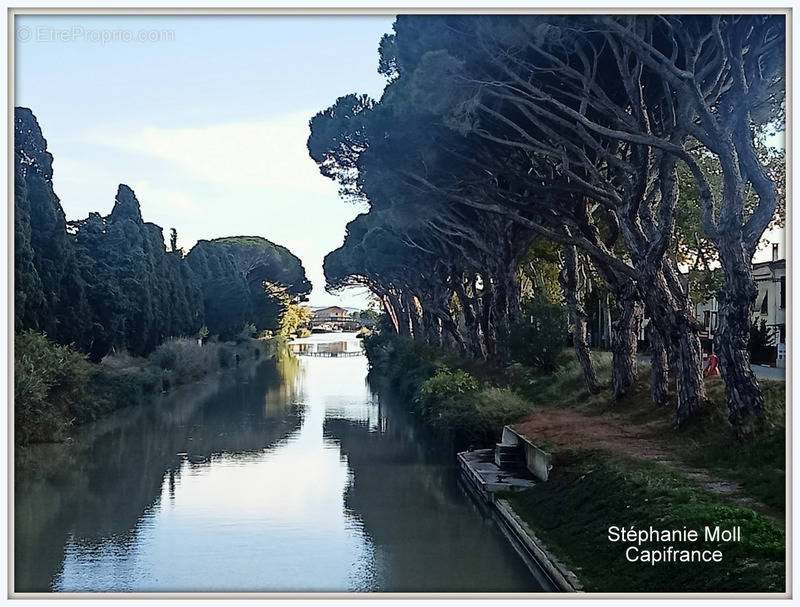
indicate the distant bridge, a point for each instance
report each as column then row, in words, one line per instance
column 330, row 354
column 348, row 323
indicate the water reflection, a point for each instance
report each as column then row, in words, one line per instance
column 286, row 476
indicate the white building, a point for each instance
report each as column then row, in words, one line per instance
column 770, row 306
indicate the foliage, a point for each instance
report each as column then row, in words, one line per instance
column 762, row 343
column 538, row 271
column 55, row 387
column 296, row 320
column 496, row 130
column 50, row 383
column 108, row 283
column 445, row 384
column 538, row 338
column 444, row 395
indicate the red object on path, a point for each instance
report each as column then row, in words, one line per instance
column 711, row 367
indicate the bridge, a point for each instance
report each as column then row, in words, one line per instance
column 329, row 354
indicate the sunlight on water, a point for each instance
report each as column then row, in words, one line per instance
column 290, row 477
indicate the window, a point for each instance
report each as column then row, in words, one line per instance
column 765, row 304
column 783, row 292
column 774, row 251
column 706, row 318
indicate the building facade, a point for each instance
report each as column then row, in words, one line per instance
column 331, row 314
column 770, row 306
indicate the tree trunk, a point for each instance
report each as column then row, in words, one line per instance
column 411, row 307
column 624, row 337
column 391, row 311
column 470, row 322
column 401, row 314
column 688, row 368
column 487, row 321
column 671, row 315
column 624, row 343
column 659, row 366
column 745, row 401
column 568, row 277
column 431, row 327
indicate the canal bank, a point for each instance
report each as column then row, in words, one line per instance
column 292, row 475
column 604, row 470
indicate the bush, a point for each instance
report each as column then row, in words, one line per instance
column 166, row 356
column 538, row 338
column 56, row 386
column 404, row 362
column 444, row 384
column 50, row 383
column 478, row 416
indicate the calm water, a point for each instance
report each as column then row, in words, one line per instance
column 282, row 476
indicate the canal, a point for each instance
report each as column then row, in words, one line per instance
column 288, row 475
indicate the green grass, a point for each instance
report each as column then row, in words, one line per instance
column 590, row 491
column 757, row 465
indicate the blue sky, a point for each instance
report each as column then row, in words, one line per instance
column 206, row 119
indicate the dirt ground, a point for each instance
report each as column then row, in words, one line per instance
column 570, row 428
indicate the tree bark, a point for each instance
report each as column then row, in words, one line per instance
column 672, row 318
column 431, row 327
column 625, row 342
column 401, row 315
column 659, row 366
column 745, row 401
column 488, row 328
column 470, row 322
column 570, row 284
column 624, row 338
column 412, row 309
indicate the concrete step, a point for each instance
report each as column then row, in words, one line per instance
column 509, row 456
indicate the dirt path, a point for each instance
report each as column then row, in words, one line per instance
column 569, row 428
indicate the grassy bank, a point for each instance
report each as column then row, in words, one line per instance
column 57, row 388
column 590, row 491
column 758, row 465
column 615, row 463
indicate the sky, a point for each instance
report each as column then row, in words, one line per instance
column 205, row 117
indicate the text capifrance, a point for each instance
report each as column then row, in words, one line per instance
column 670, row 539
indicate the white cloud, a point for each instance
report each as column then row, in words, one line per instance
column 268, row 154
column 164, row 198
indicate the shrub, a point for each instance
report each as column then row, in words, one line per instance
column 538, row 338
column 443, row 385
column 406, row 363
column 50, row 384
column 478, row 416
column 166, row 356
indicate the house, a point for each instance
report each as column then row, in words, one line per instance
column 770, row 306
column 331, row 314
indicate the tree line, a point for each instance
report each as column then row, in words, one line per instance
column 108, row 283
column 636, row 144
